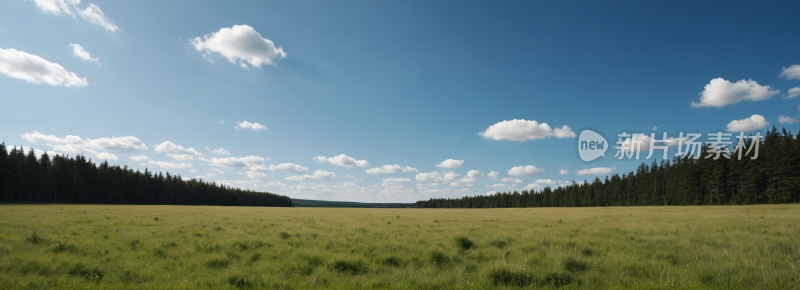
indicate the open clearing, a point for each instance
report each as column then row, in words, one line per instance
column 203, row 247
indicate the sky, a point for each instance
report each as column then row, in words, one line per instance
column 388, row 101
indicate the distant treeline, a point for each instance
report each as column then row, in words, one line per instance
column 325, row 203
column 64, row 179
column 774, row 177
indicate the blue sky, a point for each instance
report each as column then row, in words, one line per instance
column 407, row 83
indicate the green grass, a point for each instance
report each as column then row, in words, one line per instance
column 196, row 247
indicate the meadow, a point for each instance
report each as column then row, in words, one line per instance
column 216, row 247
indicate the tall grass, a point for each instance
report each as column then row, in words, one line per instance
column 125, row 247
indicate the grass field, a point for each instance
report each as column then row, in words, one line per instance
column 197, row 247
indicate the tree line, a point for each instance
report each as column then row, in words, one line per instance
column 65, row 179
column 773, row 177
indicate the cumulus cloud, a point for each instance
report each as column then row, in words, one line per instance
column 792, row 72
column 79, row 52
column 563, row 172
column 511, row 180
column 102, row 148
column 720, row 92
column 241, row 45
column 319, row 174
column 596, row 171
column 494, row 174
column 34, row 69
column 139, row 158
column 387, row 169
column 249, row 162
column 454, row 179
column 247, row 125
column 491, row 192
column 287, row 167
column 524, row 130
column 255, row 175
column 177, row 152
column 474, row 174
column 793, row 92
column 755, row 122
column 219, row 151
column 169, row 165
column 787, row 120
column 220, row 121
column 524, row 170
column 451, row 163
column 91, row 13
column 342, row 160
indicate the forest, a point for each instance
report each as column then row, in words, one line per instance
column 773, row 177
column 77, row 180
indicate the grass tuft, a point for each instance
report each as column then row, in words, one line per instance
column 464, row 243
column 217, row 263
column 573, row 265
column 506, row 277
column 353, row 267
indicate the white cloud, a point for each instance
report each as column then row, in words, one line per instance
column 720, row 92
column 139, row 158
column 524, row 130
column 793, row 92
column 787, row 120
column 240, row 44
column 524, row 170
column 100, row 147
column 755, row 122
column 511, row 180
column 596, row 171
column 387, row 169
column 94, row 15
column 655, row 128
column 491, row 192
column 34, row 69
column 78, row 51
column 494, row 174
column 219, row 151
column 217, row 171
column 453, row 178
column 563, row 172
column 177, row 152
column 247, row 125
column 793, row 72
column 168, row 165
column 56, row 7
column 251, row 162
column 451, row 163
column 287, row 167
column 319, row 174
column 220, row 121
column 91, row 14
column 428, row 176
column 342, row 160
column 474, row 174
column 255, row 175
column 496, row 186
